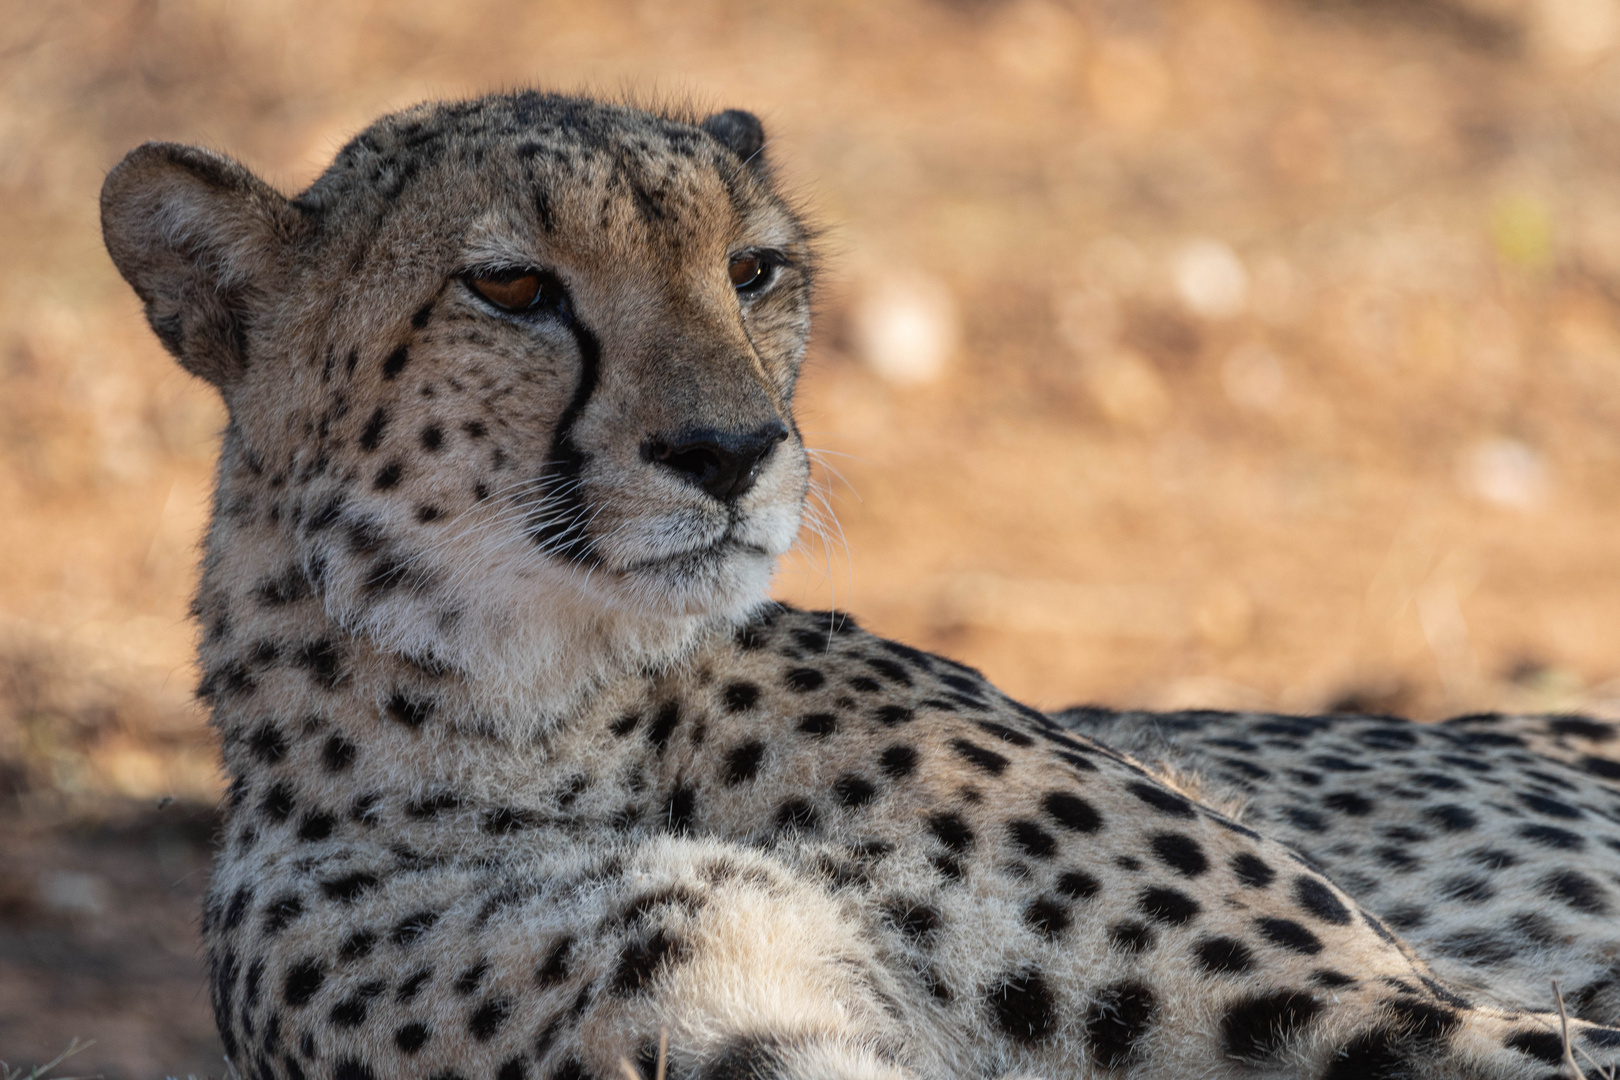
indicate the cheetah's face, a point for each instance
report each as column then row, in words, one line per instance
column 530, row 340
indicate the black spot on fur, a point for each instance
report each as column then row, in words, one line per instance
column 1288, row 934
column 1181, row 853
column 303, row 981
column 740, row 696
column 1162, row 799
column 409, row 930
column 1608, row 770
column 287, row 587
column 1078, row 885
column 323, row 662
column 1131, row 937
column 680, row 810
column 1544, row 804
column 280, row 913
column 1257, row 1029
column 571, row 1069
column 1031, row 839
column 357, row 946
column 805, row 680
column 897, row 761
column 338, row 753
column 504, row 820
column 818, row 724
column 1224, row 956
column 1348, row 802
column 317, row 826
column 1314, row 895
column 347, row 889
column 988, row 760
column 640, row 961
column 742, row 763
column 372, row 435
column 663, row 725
column 395, row 363
column 487, row 1019
column 351, row 1069
column 431, row 806
column 1022, row 1006
column 411, row 1038
column 1545, row 1046
column 1452, row 818
column 1554, row 837
column 268, row 744
column 388, row 476
column 1577, row 890
column 1425, row 1021
column 410, row 711
column 1046, row 916
column 554, row 968
column 1252, row 870
column 1117, row 1021
column 796, row 815
column 1169, row 906
column 951, row 831
column 1071, row 811
column 412, row 986
column 913, row 918
column 854, row 790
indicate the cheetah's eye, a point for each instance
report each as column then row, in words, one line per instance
column 753, row 271
column 520, row 291
column 745, row 270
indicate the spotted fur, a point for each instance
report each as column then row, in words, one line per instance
column 524, row 766
column 1492, row 843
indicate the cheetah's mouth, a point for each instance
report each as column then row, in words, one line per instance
column 694, row 560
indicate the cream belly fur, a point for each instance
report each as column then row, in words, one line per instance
column 524, row 766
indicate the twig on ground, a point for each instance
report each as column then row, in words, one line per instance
column 632, row 1073
column 38, row 1071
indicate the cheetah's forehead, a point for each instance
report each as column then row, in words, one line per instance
column 564, row 171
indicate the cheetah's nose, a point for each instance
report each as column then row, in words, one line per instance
column 723, row 463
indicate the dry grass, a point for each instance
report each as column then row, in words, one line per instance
column 41, row 1072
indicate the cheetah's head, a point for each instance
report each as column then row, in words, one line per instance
column 512, row 380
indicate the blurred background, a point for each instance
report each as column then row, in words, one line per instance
column 1226, row 353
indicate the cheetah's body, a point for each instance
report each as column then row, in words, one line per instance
column 1492, row 843
column 523, row 766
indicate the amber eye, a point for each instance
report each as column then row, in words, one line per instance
column 509, row 294
column 746, row 271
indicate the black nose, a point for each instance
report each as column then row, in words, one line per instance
column 723, row 463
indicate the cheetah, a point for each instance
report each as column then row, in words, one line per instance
column 525, row 769
column 1491, row 843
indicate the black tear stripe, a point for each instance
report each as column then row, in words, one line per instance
column 559, row 522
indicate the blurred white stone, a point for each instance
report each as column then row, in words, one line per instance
column 907, row 328
column 1580, row 29
column 79, row 894
column 1505, row 472
column 1252, row 377
column 1210, row 279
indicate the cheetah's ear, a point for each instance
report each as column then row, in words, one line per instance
column 203, row 242
column 741, row 133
